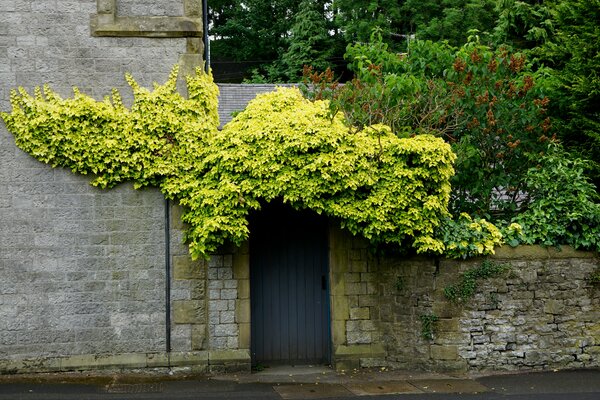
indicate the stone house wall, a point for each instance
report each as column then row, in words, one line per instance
column 83, row 270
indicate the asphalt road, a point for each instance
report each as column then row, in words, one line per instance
column 572, row 385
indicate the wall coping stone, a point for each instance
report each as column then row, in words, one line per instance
column 541, row 252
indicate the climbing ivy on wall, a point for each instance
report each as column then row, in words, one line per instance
column 282, row 147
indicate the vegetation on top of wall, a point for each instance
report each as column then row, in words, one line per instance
column 564, row 207
column 465, row 236
column 492, row 106
column 282, row 147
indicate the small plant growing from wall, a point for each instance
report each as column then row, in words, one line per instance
column 466, row 288
column 428, row 325
column 594, row 278
column 399, row 284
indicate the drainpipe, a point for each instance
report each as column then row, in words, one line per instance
column 205, row 33
column 168, row 280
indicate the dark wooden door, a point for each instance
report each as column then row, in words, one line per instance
column 289, row 287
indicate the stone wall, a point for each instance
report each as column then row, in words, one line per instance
column 541, row 313
column 83, row 270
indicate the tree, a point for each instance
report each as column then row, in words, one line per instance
column 523, row 24
column 250, row 30
column 356, row 19
column 574, row 54
column 310, row 42
column 449, row 20
column 488, row 104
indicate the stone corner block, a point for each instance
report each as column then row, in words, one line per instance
column 189, row 312
column 198, row 337
column 185, row 268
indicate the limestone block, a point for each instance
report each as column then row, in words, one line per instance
column 244, row 336
column 226, row 330
column 219, row 356
column 241, row 266
column 359, row 337
column 356, row 288
column 359, row 313
column 230, row 284
column 358, row 266
column 228, row 294
column 367, row 301
column 244, row 289
column 242, row 311
column 218, row 305
column 447, row 325
column 198, row 337
column 105, row 6
column 227, row 317
column 554, row 307
column 367, row 325
column 189, row 312
column 446, row 352
column 338, row 331
column 197, row 289
column 185, row 268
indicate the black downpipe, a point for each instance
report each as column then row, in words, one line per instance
column 206, row 40
column 168, row 279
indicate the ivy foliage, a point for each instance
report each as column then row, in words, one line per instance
column 282, row 147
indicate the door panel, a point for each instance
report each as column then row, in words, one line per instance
column 288, row 287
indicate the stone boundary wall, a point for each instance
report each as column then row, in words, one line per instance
column 542, row 313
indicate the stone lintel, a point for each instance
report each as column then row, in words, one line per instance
column 153, row 27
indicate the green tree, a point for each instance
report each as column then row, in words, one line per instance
column 488, row 104
column 574, row 54
column 523, row 24
column 450, row 20
column 250, row 30
column 310, row 42
column 356, row 19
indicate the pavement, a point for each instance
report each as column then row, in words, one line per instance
column 306, row 382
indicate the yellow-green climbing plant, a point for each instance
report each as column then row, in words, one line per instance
column 282, row 147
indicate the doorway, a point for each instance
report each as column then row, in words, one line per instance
column 289, row 287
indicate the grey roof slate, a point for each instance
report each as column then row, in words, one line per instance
column 234, row 97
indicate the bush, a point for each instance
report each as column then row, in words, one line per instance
column 564, row 207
